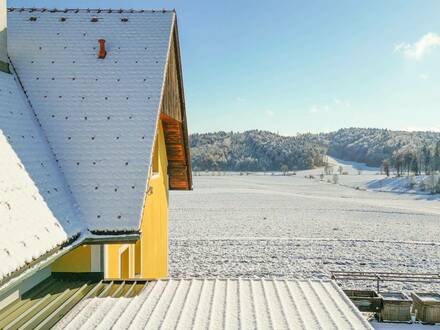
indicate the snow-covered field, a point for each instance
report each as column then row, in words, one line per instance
column 364, row 177
column 293, row 227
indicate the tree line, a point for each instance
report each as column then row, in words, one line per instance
column 424, row 159
column 406, row 152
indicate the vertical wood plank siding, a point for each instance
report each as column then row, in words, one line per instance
column 173, row 116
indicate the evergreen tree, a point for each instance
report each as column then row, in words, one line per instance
column 436, row 159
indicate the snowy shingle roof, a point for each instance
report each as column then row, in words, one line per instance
column 99, row 115
column 222, row 304
column 37, row 211
column 77, row 132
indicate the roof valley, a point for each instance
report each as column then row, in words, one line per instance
column 43, row 133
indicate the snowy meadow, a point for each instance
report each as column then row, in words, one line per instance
column 296, row 227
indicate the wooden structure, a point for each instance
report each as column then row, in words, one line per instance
column 426, row 307
column 380, row 277
column 365, row 300
column 173, row 116
column 396, row 307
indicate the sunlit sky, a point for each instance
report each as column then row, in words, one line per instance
column 299, row 66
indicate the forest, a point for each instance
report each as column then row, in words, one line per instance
column 255, row 150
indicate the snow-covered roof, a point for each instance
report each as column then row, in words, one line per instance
column 77, row 132
column 37, row 211
column 222, row 304
column 99, row 115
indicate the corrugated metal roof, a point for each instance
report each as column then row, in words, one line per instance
column 44, row 305
column 37, row 210
column 222, row 304
column 99, row 115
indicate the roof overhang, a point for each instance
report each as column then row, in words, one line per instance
column 173, row 117
column 56, row 253
column 112, row 237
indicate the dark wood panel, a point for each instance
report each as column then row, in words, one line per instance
column 173, row 117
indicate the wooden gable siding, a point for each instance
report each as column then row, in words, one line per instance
column 172, row 98
column 173, row 116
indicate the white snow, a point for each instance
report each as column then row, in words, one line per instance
column 37, row 211
column 77, row 158
column 99, row 115
column 403, row 326
column 361, row 176
column 224, row 304
column 293, row 227
column 434, row 297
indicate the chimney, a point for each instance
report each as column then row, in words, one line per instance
column 102, row 52
column 4, row 66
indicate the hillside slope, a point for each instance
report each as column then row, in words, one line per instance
column 254, row 151
column 265, row 151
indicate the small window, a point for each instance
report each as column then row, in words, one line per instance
column 156, row 159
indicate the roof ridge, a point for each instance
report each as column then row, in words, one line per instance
column 90, row 10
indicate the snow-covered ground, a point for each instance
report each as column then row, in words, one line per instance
column 403, row 326
column 361, row 176
column 293, row 227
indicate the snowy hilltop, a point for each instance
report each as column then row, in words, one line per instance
column 265, row 151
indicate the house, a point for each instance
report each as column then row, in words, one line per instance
column 93, row 134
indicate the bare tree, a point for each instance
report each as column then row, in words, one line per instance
column 340, row 170
column 386, row 167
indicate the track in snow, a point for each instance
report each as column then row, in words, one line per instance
column 292, row 227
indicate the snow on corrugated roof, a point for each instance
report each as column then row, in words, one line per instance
column 99, row 115
column 37, row 211
column 222, row 304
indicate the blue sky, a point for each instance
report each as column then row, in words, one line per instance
column 303, row 66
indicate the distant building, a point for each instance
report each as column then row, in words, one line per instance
column 93, row 134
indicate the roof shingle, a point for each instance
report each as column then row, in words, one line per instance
column 37, row 210
column 99, row 115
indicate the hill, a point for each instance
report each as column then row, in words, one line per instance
column 265, row 151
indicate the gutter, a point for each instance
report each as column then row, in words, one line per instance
column 39, row 263
column 50, row 257
column 106, row 238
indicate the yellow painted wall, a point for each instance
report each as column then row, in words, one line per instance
column 77, row 260
column 154, row 226
column 111, row 260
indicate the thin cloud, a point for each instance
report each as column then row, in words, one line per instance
column 424, row 76
column 420, row 48
column 337, row 104
column 316, row 108
column 270, row 113
column 342, row 103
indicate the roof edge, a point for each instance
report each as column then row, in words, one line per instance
column 182, row 96
column 40, row 262
column 158, row 111
column 112, row 239
column 88, row 10
column 76, row 240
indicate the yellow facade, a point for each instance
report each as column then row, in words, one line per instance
column 148, row 258
column 77, row 261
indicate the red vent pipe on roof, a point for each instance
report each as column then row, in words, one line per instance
column 102, row 52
